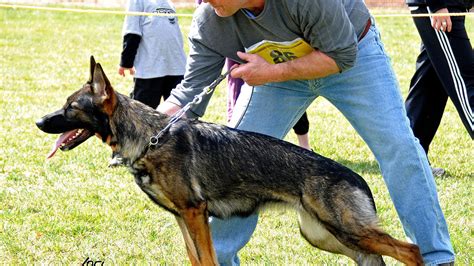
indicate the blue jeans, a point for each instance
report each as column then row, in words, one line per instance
column 369, row 97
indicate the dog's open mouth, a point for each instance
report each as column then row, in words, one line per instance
column 69, row 140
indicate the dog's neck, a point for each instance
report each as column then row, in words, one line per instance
column 132, row 124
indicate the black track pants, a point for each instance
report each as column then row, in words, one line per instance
column 444, row 68
column 150, row 91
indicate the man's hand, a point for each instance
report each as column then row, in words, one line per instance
column 442, row 23
column 255, row 72
column 121, row 71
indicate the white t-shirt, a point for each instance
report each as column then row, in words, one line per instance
column 160, row 52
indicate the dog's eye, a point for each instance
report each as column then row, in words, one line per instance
column 72, row 106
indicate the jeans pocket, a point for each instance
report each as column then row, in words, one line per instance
column 371, row 45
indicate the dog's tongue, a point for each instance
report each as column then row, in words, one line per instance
column 60, row 141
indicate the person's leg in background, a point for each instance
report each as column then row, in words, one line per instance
column 301, row 130
column 425, row 104
column 150, row 91
column 169, row 83
column 145, row 91
column 426, row 101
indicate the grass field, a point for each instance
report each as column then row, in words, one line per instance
column 73, row 207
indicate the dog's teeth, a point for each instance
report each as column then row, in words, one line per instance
column 78, row 132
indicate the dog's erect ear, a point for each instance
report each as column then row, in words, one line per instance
column 92, row 67
column 100, row 84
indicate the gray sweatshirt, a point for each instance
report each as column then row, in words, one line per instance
column 331, row 26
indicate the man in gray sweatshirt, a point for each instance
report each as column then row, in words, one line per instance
column 293, row 51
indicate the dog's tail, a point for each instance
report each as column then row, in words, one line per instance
column 376, row 241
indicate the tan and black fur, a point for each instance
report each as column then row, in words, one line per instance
column 201, row 169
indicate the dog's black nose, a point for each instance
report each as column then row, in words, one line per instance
column 40, row 123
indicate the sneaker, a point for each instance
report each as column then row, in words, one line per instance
column 437, row 171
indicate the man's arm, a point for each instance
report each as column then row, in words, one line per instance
column 326, row 27
column 257, row 71
column 168, row 108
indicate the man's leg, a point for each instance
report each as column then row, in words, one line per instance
column 271, row 111
column 369, row 97
column 230, row 235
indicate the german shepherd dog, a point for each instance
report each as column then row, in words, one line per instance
column 201, row 169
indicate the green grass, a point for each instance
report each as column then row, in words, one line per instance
column 73, row 206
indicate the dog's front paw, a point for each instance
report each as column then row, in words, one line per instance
column 116, row 161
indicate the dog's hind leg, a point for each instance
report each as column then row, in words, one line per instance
column 317, row 235
column 200, row 248
column 351, row 218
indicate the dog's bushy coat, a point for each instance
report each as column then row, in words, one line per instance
column 200, row 169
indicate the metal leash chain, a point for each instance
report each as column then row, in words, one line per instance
column 154, row 140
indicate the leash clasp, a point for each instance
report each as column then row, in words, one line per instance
column 154, row 140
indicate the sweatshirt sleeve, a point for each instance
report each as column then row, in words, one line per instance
column 203, row 66
column 130, row 48
column 328, row 28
